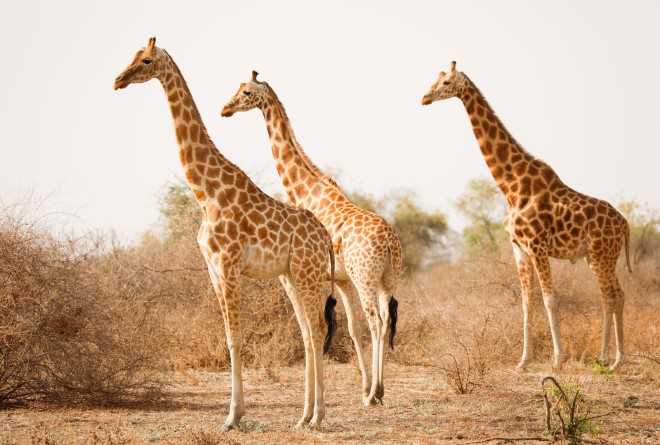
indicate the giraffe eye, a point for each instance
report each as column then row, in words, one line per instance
column 446, row 82
column 146, row 61
column 247, row 93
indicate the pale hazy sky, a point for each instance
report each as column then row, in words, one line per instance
column 576, row 82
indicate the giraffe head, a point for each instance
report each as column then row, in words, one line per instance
column 448, row 85
column 149, row 62
column 249, row 95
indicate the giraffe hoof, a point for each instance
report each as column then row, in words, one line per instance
column 370, row 401
column 227, row 427
column 303, row 423
column 618, row 362
column 558, row 363
column 522, row 367
column 314, row 425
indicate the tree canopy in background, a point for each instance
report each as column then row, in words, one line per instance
column 421, row 232
column 484, row 207
column 644, row 223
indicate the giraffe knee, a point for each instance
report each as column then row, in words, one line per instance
column 551, row 303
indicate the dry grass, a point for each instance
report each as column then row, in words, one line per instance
column 86, row 324
column 420, row 408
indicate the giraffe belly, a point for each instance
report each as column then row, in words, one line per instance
column 567, row 250
column 265, row 263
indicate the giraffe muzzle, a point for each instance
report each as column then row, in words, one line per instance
column 120, row 82
column 226, row 112
column 426, row 100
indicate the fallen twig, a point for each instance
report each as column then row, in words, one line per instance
column 179, row 269
column 509, row 439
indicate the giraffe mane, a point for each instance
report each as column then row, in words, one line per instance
column 195, row 111
column 196, row 115
column 497, row 118
column 513, row 140
column 298, row 148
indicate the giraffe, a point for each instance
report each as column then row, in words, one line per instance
column 244, row 231
column 546, row 218
column 367, row 248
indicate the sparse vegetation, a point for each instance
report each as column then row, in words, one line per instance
column 567, row 411
column 88, row 322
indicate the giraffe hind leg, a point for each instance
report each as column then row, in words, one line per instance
column 389, row 314
column 613, row 300
column 369, row 295
column 348, row 296
column 299, row 310
column 330, row 320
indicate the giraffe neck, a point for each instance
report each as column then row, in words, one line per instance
column 304, row 182
column 204, row 166
column 507, row 161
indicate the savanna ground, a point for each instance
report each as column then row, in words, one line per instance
column 420, row 408
column 108, row 344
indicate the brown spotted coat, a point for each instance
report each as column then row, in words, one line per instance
column 546, row 219
column 244, row 231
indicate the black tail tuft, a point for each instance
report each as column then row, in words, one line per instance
column 330, row 320
column 394, row 307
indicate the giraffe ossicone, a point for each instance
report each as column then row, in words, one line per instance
column 246, row 232
column 367, row 248
column 546, row 218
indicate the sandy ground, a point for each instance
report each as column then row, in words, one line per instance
column 420, row 408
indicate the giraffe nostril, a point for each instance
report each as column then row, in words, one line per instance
column 118, row 77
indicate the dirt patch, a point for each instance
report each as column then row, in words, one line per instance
column 420, row 408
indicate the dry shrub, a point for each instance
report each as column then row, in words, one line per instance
column 472, row 312
column 460, row 311
column 84, row 323
column 93, row 322
column 62, row 336
column 171, row 279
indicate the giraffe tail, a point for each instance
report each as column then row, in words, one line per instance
column 395, row 269
column 627, row 241
column 330, row 303
column 394, row 309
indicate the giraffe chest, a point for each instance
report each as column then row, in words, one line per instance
column 261, row 254
column 560, row 238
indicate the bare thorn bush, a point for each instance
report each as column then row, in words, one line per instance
column 62, row 337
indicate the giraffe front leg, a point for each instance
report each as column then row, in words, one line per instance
column 542, row 265
column 237, row 404
column 226, row 287
column 526, row 276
